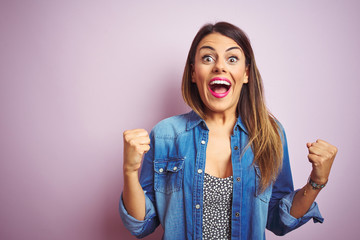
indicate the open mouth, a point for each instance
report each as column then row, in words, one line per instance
column 219, row 87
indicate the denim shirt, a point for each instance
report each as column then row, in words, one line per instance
column 172, row 178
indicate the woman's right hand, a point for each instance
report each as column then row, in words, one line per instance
column 136, row 144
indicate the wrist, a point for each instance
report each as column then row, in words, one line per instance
column 130, row 169
column 317, row 185
column 319, row 180
column 129, row 172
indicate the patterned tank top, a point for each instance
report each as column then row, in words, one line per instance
column 217, row 207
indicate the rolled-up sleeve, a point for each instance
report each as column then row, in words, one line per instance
column 136, row 227
column 291, row 222
column 280, row 221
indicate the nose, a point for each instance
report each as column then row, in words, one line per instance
column 219, row 67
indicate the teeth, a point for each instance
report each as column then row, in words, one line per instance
column 220, row 82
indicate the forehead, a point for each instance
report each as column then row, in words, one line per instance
column 217, row 41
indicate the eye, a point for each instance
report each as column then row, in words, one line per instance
column 208, row 59
column 233, row 59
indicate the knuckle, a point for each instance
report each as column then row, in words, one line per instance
column 125, row 134
column 132, row 142
column 335, row 150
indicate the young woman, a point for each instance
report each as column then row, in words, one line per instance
column 221, row 171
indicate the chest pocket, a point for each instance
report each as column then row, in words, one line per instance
column 266, row 195
column 169, row 175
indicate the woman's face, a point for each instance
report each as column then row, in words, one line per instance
column 219, row 72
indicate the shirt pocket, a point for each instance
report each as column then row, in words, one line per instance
column 168, row 175
column 263, row 196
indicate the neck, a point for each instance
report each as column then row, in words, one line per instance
column 224, row 121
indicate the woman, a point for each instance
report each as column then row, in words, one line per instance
column 221, row 171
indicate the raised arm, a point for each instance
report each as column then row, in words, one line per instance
column 321, row 155
column 136, row 144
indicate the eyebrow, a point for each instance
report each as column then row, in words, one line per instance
column 233, row 48
column 213, row 49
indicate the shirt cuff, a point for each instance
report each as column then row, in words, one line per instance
column 292, row 222
column 135, row 226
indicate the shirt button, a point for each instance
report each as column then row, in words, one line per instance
column 236, row 148
column 237, row 214
column 199, row 170
column 175, row 168
column 161, row 170
column 238, row 179
column 203, row 142
column 197, row 206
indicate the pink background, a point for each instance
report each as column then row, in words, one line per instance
column 75, row 74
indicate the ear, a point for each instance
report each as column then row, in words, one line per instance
column 192, row 73
column 246, row 75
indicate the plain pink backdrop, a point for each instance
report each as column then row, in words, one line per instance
column 75, row 74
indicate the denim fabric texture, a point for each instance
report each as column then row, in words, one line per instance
column 172, row 177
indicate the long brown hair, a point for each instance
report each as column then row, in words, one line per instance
column 263, row 130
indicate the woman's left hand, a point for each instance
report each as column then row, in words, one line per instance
column 321, row 155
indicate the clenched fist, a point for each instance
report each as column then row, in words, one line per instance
column 321, row 155
column 136, row 144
